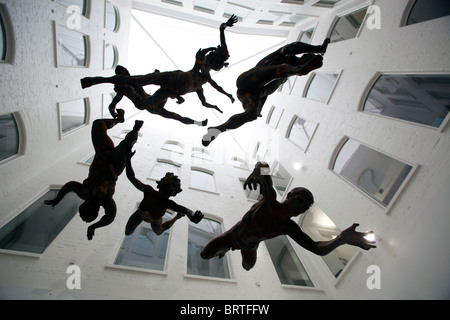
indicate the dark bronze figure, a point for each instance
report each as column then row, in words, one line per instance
column 173, row 84
column 155, row 203
column 99, row 187
column 256, row 84
column 269, row 218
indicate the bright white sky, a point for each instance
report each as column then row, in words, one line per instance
column 180, row 40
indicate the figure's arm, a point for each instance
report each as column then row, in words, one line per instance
column 220, row 89
column 131, row 175
column 261, row 176
column 194, row 217
column 233, row 19
column 73, row 186
column 110, row 214
column 348, row 236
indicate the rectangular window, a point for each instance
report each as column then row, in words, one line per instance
column 34, row 229
column 422, row 99
column 144, row 249
column 287, row 264
column 71, row 48
column 274, row 116
column 199, row 236
column 72, row 114
column 376, row 174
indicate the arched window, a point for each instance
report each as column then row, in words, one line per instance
column 111, row 16
column 173, row 146
column 71, row 48
column 34, row 229
column 321, row 86
column 144, row 249
column 274, row 117
column 301, row 131
column 347, row 27
column 417, row 98
column 424, row 10
column 73, row 114
column 202, row 180
column 9, row 136
column 161, row 167
column 110, row 58
column 3, row 43
column 376, row 174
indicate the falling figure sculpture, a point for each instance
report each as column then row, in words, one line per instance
column 256, row 84
column 99, row 187
column 173, row 84
column 155, row 203
column 269, row 218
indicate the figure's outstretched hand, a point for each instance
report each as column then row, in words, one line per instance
column 355, row 238
column 255, row 177
column 233, row 19
column 196, row 217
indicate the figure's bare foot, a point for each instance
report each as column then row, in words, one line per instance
column 138, row 125
column 120, row 115
column 325, row 44
column 210, row 136
column 122, row 70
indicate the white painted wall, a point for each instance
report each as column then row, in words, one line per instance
column 411, row 253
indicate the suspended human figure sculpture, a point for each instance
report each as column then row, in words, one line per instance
column 256, row 84
column 155, row 203
column 269, row 218
column 99, row 187
column 173, row 84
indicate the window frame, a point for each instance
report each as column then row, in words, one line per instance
column 345, row 13
column 311, row 79
column 205, row 171
column 289, row 130
column 400, row 189
column 87, row 108
column 373, row 81
column 117, row 15
column 162, row 160
column 87, row 47
column 20, row 136
column 8, row 36
column 116, row 56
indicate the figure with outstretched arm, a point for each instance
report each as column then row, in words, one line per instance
column 256, row 84
column 97, row 190
column 155, row 203
column 172, row 84
column 269, row 218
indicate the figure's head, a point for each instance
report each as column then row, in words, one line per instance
column 215, row 59
column 89, row 210
column 169, row 184
column 299, row 200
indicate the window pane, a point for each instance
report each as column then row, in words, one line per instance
column 2, row 39
column 306, row 36
column 239, row 163
column 111, row 17
column 72, row 114
column 240, row 11
column 34, row 229
column 199, row 236
column 71, row 47
column 107, row 99
column 321, row 86
column 416, row 98
column 274, row 117
column 161, row 168
column 316, row 224
column 287, row 264
column 202, row 180
column 376, row 174
column 201, row 154
column 173, row 146
column 143, row 248
column 9, row 137
column 209, row 6
column 301, row 132
column 110, row 56
column 347, row 27
column 79, row 3
column 424, row 10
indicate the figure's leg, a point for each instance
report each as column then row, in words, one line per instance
column 71, row 186
column 175, row 116
column 217, row 247
column 133, row 222
column 100, row 138
column 168, row 224
column 248, row 258
column 301, row 47
column 110, row 214
column 121, row 152
column 156, row 78
column 233, row 122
